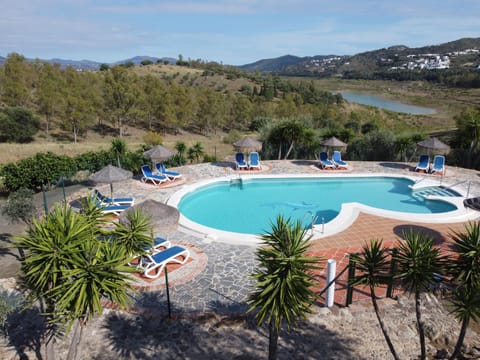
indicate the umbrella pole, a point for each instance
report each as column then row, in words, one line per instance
column 111, row 192
column 168, row 294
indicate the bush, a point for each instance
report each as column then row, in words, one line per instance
column 17, row 125
column 152, row 138
column 19, row 206
column 33, row 172
column 231, row 137
column 94, row 160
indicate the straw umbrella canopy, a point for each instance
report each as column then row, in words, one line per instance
column 433, row 145
column 247, row 144
column 163, row 217
column 334, row 143
column 159, row 153
column 110, row 174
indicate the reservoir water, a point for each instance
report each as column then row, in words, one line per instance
column 386, row 104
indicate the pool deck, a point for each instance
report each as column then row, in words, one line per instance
column 217, row 276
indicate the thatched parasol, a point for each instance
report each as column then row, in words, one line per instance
column 434, row 145
column 109, row 175
column 247, row 144
column 163, row 217
column 159, row 153
column 334, row 143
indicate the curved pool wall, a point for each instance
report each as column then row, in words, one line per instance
column 347, row 215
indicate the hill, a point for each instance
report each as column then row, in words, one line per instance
column 95, row 65
column 459, row 54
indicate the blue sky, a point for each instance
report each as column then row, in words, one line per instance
column 231, row 32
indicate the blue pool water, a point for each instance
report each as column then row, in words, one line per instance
column 249, row 206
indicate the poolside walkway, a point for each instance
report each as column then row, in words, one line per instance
column 217, row 277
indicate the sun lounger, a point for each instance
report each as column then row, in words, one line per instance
column 423, row 163
column 240, row 161
column 115, row 201
column 172, row 175
column 153, row 264
column 254, row 161
column 158, row 242
column 110, row 209
column 325, row 163
column 337, row 160
column 148, row 175
column 438, row 166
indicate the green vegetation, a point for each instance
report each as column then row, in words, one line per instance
column 17, row 125
column 466, row 277
column 417, row 265
column 292, row 116
column 71, row 265
column 284, row 279
column 373, row 265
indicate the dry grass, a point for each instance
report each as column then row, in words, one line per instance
column 212, row 145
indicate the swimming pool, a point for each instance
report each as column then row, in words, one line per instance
column 249, row 205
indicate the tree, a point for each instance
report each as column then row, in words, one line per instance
column 51, row 244
column 19, row 206
column 17, row 124
column 283, row 278
column 71, row 265
column 17, row 80
column 373, row 265
column 419, row 264
column 81, row 102
column 467, row 139
column 120, row 95
column 285, row 135
column 119, row 148
column 49, row 94
column 211, row 110
column 466, row 277
column 195, row 151
column 134, row 234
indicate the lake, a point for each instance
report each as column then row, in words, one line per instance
column 386, row 104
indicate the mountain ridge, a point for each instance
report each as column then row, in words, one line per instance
column 369, row 61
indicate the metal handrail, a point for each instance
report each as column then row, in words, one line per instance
column 457, row 183
column 334, row 279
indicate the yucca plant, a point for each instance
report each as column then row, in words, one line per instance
column 465, row 271
column 71, row 267
column 419, row 265
column 373, row 267
column 284, row 279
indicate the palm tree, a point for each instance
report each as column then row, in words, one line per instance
column 99, row 272
column 466, row 276
column 284, row 279
column 373, row 265
column 119, row 148
column 135, row 233
column 50, row 245
column 71, row 266
column 419, row 265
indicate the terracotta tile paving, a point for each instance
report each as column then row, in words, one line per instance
column 367, row 227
